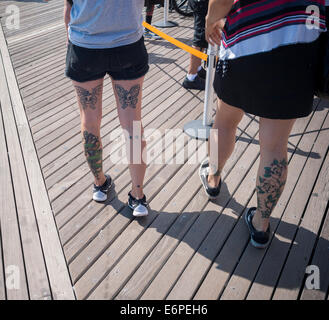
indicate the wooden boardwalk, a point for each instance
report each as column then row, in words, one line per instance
column 65, row 246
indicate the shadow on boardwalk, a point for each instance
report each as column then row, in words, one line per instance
column 228, row 225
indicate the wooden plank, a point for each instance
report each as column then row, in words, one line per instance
column 185, row 286
column 36, row 274
column 319, row 260
column 293, row 272
column 162, row 178
column 121, row 221
column 2, row 274
column 140, row 249
column 55, row 262
column 11, row 243
column 177, row 262
column 97, row 268
column 161, row 254
column 226, row 261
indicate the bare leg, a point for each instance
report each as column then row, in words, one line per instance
column 226, row 123
column 129, row 101
column 273, row 168
column 195, row 62
column 90, row 103
column 149, row 14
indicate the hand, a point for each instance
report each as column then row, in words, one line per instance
column 214, row 31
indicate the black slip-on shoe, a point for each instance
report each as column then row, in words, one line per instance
column 100, row 192
column 212, row 193
column 202, row 73
column 259, row 239
column 197, row 84
column 139, row 206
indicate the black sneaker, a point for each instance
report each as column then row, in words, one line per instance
column 259, row 239
column 100, row 192
column 139, row 206
column 202, row 73
column 197, row 84
column 212, row 193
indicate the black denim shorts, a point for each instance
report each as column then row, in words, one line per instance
column 128, row 62
column 200, row 10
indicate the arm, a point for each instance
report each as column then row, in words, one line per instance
column 67, row 14
column 217, row 11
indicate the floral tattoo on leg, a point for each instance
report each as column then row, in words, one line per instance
column 270, row 187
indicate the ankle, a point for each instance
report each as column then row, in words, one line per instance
column 260, row 223
column 101, row 180
column 213, row 181
column 137, row 194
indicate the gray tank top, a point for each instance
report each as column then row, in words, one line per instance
column 98, row 24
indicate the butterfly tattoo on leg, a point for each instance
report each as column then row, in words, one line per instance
column 128, row 98
column 87, row 98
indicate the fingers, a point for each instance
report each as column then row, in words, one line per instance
column 214, row 32
column 214, row 36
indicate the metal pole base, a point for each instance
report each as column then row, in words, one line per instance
column 165, row 24
column 195, row 129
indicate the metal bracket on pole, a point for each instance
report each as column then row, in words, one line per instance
column 200, row 129
column 165, row 23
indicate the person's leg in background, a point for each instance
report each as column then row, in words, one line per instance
column 222, row 138
column 195, row 78
column 89, row 96
column 128, row 95
column 148, row 18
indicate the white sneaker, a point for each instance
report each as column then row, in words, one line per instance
column 100, row 192
column 139, row 206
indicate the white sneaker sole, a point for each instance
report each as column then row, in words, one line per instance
column 137, row 213
column 100, row 196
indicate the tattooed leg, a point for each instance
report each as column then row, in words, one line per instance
column 89, row 96
column 273, row 168
column 129, row 101
column 93, row 152
column 270, row 186
column 226, row 122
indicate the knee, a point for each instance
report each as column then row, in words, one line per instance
column 92, row 122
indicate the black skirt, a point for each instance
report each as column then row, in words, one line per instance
column 278, row 84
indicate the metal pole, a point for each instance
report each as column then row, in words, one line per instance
column 209, row 90
column 165, row 23
column 165, row 11
column 200, row 129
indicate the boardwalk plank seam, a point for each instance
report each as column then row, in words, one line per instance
column 55, row 261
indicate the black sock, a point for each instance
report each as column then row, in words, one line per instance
column 149, row 19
